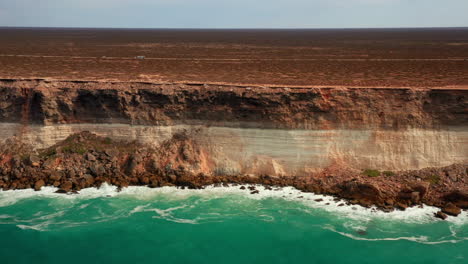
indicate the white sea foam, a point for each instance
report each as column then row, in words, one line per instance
column 165, row 214
column 418, row 239
column 324, row 203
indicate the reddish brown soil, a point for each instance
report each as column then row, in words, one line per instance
column 396, row 57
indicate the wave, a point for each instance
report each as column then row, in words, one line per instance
column 418, row 239
column 165, row 214
column 312, row 202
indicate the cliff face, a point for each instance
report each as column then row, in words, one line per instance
column 253, row 130
column 234, row 106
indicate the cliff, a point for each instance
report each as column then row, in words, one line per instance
column 331, row 140
column 313, row 108
column 251, row 129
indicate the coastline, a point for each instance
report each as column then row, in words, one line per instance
column 326, row 203
column 86, row 160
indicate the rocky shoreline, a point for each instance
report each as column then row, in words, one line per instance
column 86, row 160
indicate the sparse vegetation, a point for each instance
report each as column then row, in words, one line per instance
column 75, row 148
column 107, row 141
column 47, row 153
column 433, row 179
column 371, row 173
column 388, row 173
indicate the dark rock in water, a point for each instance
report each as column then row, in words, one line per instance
column 38, row 185
column 440, row 215
column 362, row 232
column 156, row 185
column 388, row 209
column 255, row 192
column 318, row 200
column 341, row 204
column 242, row 187
column 60, row 191
column 451, row 209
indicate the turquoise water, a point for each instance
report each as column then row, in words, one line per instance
column 217, row 225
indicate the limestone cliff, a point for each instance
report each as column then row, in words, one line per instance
column 251, row 130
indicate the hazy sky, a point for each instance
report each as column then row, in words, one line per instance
column 234, row 13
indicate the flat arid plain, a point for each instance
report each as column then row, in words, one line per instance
column 358, row 57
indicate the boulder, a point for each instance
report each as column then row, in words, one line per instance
column 33, row 159
column 421, row 187
column 111, row 152
column 15, row 162
column 364, row 192
column 401, row 206
column 144, row 180
column 131, row 165
column 55, row 176
column 89, row 180
column 440, row 215
column 16, row 173
column 66, row 186
column 90, row 157
column 415, row 197
column 38, row 185
column 460, row 199
column 97, row 169
column 451, row 209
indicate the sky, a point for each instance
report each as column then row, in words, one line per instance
column 234, row 13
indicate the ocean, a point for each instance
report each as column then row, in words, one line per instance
column 218, row 225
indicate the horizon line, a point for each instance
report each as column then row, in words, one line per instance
column 228, row 28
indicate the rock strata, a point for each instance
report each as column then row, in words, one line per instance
column 87, row 160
